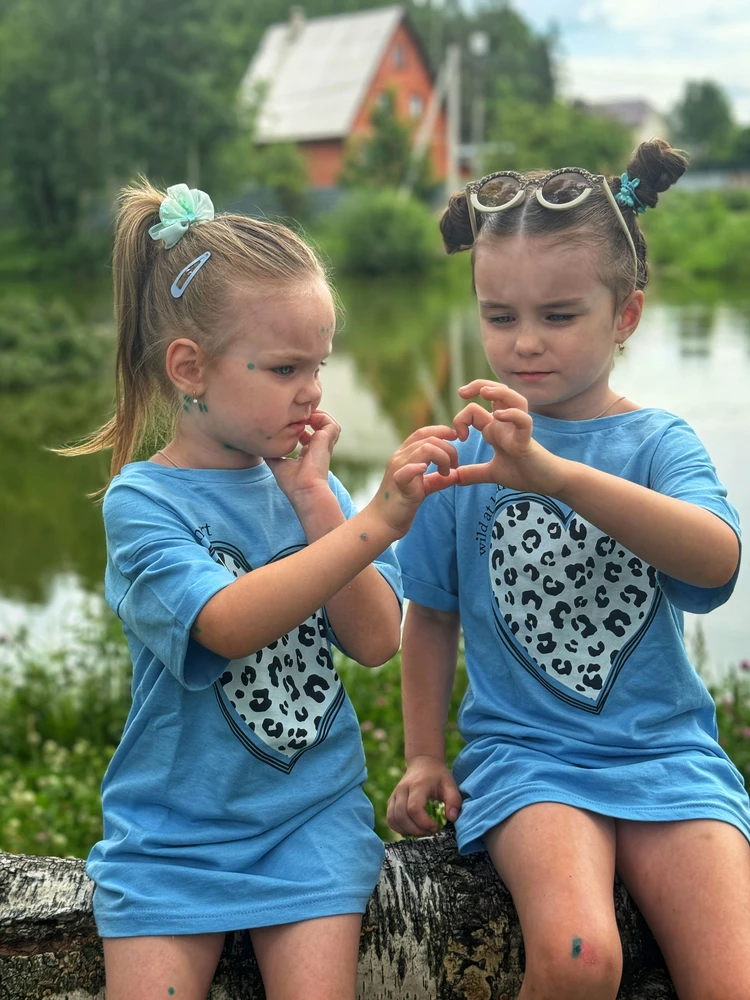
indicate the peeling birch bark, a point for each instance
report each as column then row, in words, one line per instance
column 438, row 927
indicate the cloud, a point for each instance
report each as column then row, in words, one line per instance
column 648, row 48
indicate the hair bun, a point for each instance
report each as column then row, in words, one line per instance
column 657, row 166
column 455, row 225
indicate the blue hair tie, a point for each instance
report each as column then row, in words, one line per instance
column 627, row 196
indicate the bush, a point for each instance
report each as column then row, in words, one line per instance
column 700, row 236
column 380, row 232
column 44, row 342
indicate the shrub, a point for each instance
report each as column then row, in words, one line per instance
column 44, row 342
column 381, row 232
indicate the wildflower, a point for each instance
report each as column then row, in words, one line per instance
column 366, row 726
column 745, row 665
column 379, row 734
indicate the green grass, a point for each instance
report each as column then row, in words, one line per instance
column 61, row 718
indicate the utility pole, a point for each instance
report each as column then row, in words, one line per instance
column 453, row 114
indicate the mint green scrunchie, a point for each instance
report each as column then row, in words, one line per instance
column 182, row 207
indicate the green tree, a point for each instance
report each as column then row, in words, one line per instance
column 384, row 158
column 702, row 120
column 92, row 91
column 529, row 136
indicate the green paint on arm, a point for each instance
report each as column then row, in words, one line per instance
column 576, row 949
column 363, row 536
column 171, row 991
column 251, row 366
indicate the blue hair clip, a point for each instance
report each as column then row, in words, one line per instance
column 188, row 273
column 627, row 196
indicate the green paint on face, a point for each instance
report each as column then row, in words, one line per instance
column 202, row 407
column 387, row 496
column 251, row 366
column 230, row 447
column 186, row 408
column 171, row 991
column 576, row 949
column 186, row 398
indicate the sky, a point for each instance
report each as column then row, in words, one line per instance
column 648, row 48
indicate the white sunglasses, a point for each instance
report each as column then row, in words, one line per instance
column 558, row 190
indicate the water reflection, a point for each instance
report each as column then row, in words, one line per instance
column 695, row 325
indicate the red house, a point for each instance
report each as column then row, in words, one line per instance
column 317, row 81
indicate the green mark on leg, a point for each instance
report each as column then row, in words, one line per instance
column 387, row 496
column 576, row 949
column 251, row 367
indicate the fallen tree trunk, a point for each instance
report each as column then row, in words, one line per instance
column 438, row 927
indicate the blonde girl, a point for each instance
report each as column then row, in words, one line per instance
column 234, row 799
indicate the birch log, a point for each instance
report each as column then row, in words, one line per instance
column 438, row 927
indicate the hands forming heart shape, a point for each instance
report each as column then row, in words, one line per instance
column 518, row 462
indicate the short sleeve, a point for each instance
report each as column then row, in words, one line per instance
column 427, row 554
column 681, row 468
column 159, row 576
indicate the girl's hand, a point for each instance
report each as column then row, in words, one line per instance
column 519, row 462
column 425, row 778
column 405, row 484
column 302, row 478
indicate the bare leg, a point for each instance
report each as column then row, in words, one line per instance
column 314, row 959
column 161, row 968
column 691, row 881
column 559, row 865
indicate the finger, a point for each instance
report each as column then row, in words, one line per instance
column 320, row 418
column 438, row 453
column 435, row 481
column 451, row 798
column 441, row 431
column 408, row 473
column 472, row 415
column 443, row 454
column 499, row 393
column 305, row 437
column 519, row 418
column 399, row 818
column 417, row 815
column 473, row 388
column 472, row 475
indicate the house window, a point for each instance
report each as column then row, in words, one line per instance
column 416, row 105
column 399, row 56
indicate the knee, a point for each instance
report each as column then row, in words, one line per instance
column 585, row 968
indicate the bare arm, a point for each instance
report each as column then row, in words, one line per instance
column 365, row 612
column 259, row 607
column 430, row 650
column 677, row 538
column 256, row 609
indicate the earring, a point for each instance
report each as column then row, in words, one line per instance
column 620, row 347
column 195, row 398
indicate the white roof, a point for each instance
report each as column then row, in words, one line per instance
column 317, row 73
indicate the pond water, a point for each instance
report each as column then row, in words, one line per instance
column 398, row 361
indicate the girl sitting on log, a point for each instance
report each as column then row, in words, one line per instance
column 234, row 799
column 588, row 525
